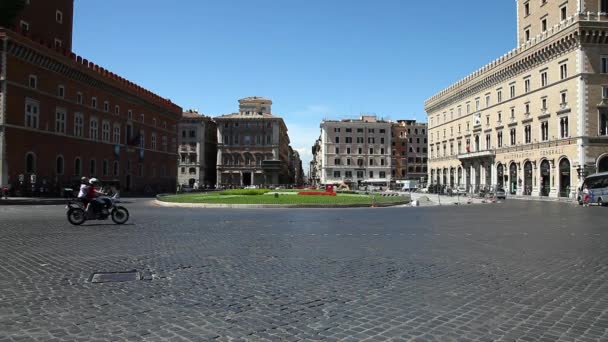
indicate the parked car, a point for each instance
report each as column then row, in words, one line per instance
column 460, row 190
column 500, row 193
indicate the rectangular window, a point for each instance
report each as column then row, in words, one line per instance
column 105, row 168
column 337, row 150
column 116, row 139
column 512, row 90
column 349, row 130
column 349, row 140
column 513, row 136
column 543, row 79
column 499, row 139
column 527, row 34
column 337, row 140
column 544, row 131
column 563, row 127
column 527, row 85
column 543, row 24
column 544, row 103
column 336, row 174
column 78, row 125
column 563, row 71
column 348, row 174
column 116, row 110
column 371, row 174
column 604, row 65
column 93, row 129
column 604, row 6
column 58, row 43
column 79, row 98
column 25, row 26
column 59, row 16
column 94, row 102
column 61, row 91
column 337, row 161
column 487, row 101
column 527, row 9
column 153, row 141
column 33, row 81
column 528, row 134
column 32, row 113
column 563, row 13
column 564, row 98
column 106, row 106
column 476, row 105
column 60, row 115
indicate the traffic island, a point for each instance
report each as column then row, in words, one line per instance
column 263, row 198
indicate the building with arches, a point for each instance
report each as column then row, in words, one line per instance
column 535, row 120
column 252, row 146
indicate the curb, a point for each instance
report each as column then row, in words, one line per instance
column 33, row 202
column 272, row 206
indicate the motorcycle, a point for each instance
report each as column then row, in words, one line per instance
column 77, row 215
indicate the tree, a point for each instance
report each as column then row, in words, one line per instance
column 9, row 10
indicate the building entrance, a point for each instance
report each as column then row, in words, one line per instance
column 528, row 179
column 513, row 179
column 564, row 178
column 602, row 166
column 500, row 173
column 246, row 178
column 545, row 178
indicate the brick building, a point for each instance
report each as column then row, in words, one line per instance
column 409, row 142
column 63, row 117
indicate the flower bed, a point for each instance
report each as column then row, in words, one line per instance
column 317, row 193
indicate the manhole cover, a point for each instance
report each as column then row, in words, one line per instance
column 115, row 277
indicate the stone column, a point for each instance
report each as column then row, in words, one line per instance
column 520, row 180
column 535, row 180
column 473, row 178
column 494, row 175
column 465, row 177
column 552, row 178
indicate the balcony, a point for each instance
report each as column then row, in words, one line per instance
column 477, row 155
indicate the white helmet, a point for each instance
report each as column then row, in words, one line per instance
column 93, row 181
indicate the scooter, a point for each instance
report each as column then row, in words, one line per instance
column 77, row 215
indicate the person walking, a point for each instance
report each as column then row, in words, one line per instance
column 586, row 196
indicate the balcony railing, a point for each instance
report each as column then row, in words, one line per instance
column 478, row 154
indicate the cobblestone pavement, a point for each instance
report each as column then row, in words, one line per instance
column 518, row 271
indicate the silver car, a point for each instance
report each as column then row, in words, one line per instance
column 500, row 193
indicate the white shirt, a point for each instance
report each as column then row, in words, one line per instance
column 83, row 191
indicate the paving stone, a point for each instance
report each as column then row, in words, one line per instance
column 518, row 271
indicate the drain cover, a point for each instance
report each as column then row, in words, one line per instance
column 115, row 277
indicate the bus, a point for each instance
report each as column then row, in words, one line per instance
column 598, row 189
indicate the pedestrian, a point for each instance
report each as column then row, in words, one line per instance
column 586, row 196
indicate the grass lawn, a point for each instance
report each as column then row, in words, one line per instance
column 216, row 198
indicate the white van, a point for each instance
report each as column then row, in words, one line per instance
column 598, row 189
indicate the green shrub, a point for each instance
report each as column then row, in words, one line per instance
column 245, row 192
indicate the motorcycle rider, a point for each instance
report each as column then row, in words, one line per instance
column 92, row 195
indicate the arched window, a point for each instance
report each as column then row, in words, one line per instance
column 30, row 163
column 77, row 167
column 59, row 165
column 115, row 168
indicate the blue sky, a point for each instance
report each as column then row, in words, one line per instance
column 315, row 59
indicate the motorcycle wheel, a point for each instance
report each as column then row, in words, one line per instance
column 76, row 216
column 120, row 215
